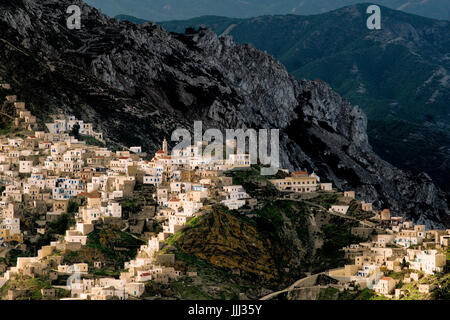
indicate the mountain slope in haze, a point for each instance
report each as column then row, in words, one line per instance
column 161, row 10
column 399, row 75
column 138, row 83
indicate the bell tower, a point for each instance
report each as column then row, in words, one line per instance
column 164, row 147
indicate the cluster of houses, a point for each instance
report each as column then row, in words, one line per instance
column 62, row 125
column 392, row 244
column 396, row 246
column 44, row 171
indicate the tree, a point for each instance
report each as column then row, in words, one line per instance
column 76, row 131
column 72, row 207
column 404, row 264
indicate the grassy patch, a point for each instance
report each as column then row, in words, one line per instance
column 397, row 275
column 116, row 246
column 365, row 294
column 31, row 286
column 442, row 291
column 91, row 141
column 190, row 291
column 113, row 247
column 202, row 267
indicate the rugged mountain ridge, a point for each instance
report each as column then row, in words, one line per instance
column 138, row 83
column 399, row 75
column 163, row 10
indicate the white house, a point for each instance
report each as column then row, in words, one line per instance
column 25, row 166
column 428, row 261
column 385, row 285
column 339, row 209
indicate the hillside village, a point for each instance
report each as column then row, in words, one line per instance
column 56, row 173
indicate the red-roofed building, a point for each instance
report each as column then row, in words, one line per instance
column 143, row 276
column 300, row 173
column 299, row 181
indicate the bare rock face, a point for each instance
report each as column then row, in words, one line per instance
column 139, row 83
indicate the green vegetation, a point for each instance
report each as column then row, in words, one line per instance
column 61, row 224
column 112, row 247
column 328, row 294
column 117, row 247
column 75, row 132
column 379, row 297
column 6, row 109
column 397, row 275
column 412, row 292
column 226, row 241
column 190, row 292
column 31, row 286
column 273, row 216
column 62, row 293
column 365, row 294
column 4, row 129
column 202, row 267
column 336, row 235
column 283, row 224
column 213, row 282
column 104, row 272
column 181, row 289
column 211, row 276
column 72, row 207
column 442, row 292
column 55, row 228
column 91, row 141
column 276, row 239
column 189, row 225
column 356, row 211
column 325, row 199
column 130, row 207
column 10, row 259
column 255, row 184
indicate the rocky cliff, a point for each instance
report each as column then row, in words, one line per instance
column 408, row 124
column 138, row 83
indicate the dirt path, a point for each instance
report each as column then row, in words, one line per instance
column 229, row 29
column 302, row 283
